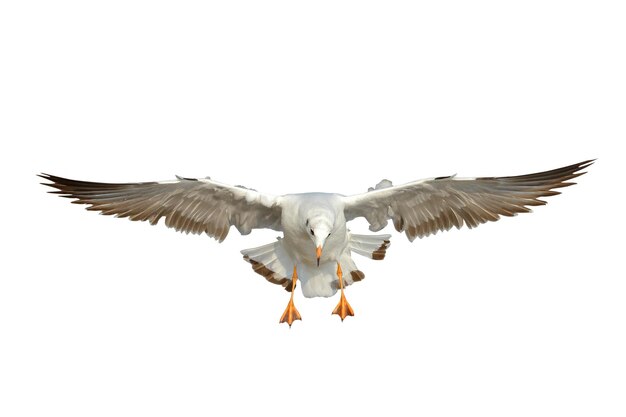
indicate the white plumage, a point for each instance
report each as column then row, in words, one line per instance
column 316, row 245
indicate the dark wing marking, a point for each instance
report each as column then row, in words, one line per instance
column 422, row 208
column 188, row 205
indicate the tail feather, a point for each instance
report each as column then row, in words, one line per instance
column 318, row 281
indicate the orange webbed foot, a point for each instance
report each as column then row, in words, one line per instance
column 343, row 308
column 291, row 314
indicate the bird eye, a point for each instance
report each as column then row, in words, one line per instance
column 312, row 232
column 328, row 236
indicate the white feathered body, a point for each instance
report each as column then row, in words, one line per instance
column 277, row 260
column 318, row 220
column 300, row 208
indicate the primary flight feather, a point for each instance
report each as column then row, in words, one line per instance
column 316, row 246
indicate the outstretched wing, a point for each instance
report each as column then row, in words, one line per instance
column 422, row 208
column 188, row 205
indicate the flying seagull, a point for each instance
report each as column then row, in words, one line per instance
column 316, row 247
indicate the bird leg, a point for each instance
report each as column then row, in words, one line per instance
column 291, row 314
column 343, row 308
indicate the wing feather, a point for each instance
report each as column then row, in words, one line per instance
column 188, row 205
column 424, row 207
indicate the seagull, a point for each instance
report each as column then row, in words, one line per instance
column 316, row 247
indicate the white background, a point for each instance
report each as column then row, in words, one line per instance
column 104, row 317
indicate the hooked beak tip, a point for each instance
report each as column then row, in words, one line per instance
column 318, row 252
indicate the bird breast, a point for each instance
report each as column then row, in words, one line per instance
column 297, row 240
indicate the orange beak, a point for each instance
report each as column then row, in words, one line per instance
column 318, row 252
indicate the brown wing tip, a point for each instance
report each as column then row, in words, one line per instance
column 52, row 182
column 268, row 274
column 78, row 185
column 357, row 275
column 563, row 174
column 379, row 254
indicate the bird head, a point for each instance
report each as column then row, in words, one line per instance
column 319, row 229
